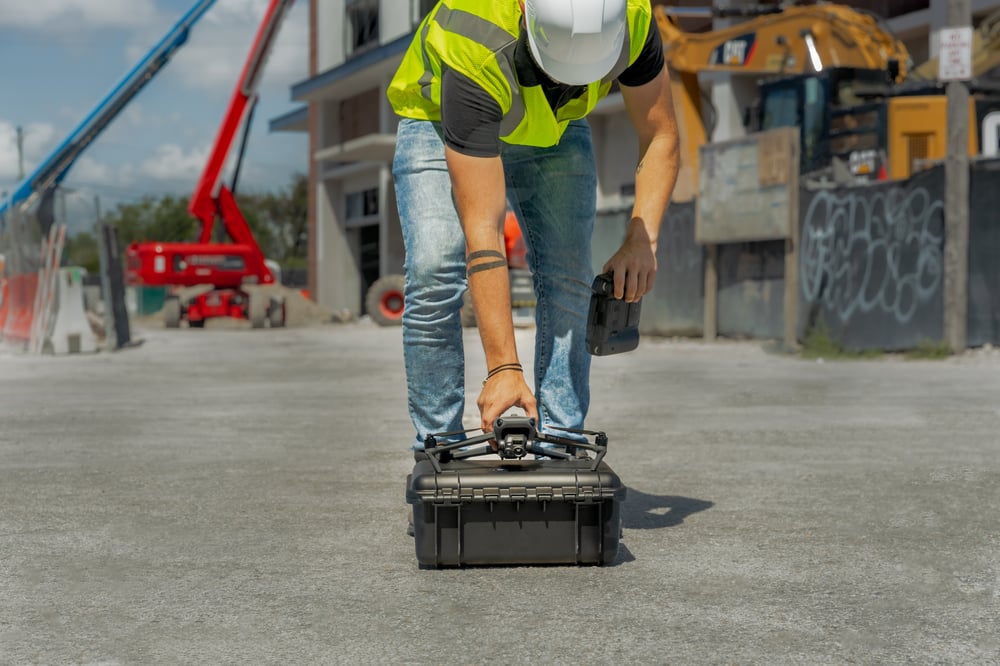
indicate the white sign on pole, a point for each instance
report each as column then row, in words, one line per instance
column 955, row 54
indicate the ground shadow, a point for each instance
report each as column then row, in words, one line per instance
column 624, row 555
column 643, row 511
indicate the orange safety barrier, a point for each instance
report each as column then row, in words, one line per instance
column 514, row 242
column 4, row 303
column 20, row 313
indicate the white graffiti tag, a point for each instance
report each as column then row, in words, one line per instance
column 863, row 251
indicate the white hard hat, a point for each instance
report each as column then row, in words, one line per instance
column 575, row 41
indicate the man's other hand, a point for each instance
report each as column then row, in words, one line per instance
column 634, row 264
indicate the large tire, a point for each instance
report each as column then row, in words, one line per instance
column 384, row 300
column 172, row 312
column 257, row 310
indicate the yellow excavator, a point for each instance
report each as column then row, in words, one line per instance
column 836, row 72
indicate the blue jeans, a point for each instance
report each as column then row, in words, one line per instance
column 552, row 191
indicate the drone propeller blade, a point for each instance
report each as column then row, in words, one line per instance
column 578, row 431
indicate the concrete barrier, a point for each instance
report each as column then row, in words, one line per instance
column 69, row 331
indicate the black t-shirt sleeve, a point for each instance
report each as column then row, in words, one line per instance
column 648, row 64
column 470, row 117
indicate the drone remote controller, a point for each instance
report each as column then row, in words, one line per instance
column 612, row 324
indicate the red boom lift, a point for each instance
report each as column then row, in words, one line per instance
column 226, row 267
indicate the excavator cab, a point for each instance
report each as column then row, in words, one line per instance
column 842, row 132
column 857, row 125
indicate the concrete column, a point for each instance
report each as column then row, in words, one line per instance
column 956, row 202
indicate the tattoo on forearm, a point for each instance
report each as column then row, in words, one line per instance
column 500, row 261
column 485, row 267
column 639, row 168
column 481, row 254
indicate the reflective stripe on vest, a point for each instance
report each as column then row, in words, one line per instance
column 494, row 38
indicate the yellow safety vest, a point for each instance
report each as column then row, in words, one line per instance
column 477, row 39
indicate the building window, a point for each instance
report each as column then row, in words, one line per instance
column 361, row 26
column 362, row 206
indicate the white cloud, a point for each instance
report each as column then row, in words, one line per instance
column 171, row 162
column 187, row 100
column 215, row 53
column 94, row 173
column 170, row 167
column 75, row 15
column 39, row 139
column 132, row 123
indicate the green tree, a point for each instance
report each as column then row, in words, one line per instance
column 260, row 225
column 277, row 221
column 81, row 250
column 290, row 212
column 170, row 220
column 151, row 219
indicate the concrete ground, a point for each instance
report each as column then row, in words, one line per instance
column 236, row 497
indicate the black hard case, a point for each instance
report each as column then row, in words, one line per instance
column 494, row 512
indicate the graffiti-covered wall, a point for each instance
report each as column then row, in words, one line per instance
column 984, row 254
column 871, row 262
column 871, row 266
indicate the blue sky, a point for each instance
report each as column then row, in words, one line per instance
column 59, row 58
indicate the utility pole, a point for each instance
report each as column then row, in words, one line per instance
column 20, row 153
column 62, row 204
column 956, row 180
column 106, row 261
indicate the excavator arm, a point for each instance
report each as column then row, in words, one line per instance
column 770, row 43
column 798, row 39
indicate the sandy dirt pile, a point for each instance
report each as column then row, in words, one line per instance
column 299, row 310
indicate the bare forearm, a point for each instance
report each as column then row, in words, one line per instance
column 489, row 285
column 655, row 177
column 480, row 197
column 490, row 290
column 651, row 110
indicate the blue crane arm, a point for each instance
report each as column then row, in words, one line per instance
column 54, row 168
